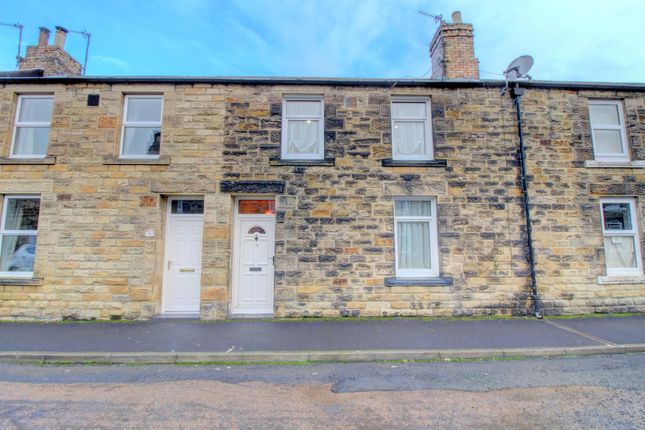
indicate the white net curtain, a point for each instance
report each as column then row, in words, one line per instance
column 19, row 239
column 413, row 236
column 303, row 126
column 32, row 131
column 409, row 128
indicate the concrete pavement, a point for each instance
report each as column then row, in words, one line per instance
column 170, row 341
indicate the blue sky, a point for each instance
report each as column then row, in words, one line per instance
column 587, row 40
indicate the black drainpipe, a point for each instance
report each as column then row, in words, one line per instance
column 516, row 94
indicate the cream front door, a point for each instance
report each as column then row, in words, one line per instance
column 183, row 259
column 253, row 265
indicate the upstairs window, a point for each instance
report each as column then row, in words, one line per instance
column 18, row 230
column 620, row 236
column 141, row 133
column 415, row 238
column 411, row 129
column 303, row 128
column 33, row 121
column 608, row 130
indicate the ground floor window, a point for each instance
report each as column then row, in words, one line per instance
column 620, row 236
column 415, row 238
column 18, row 231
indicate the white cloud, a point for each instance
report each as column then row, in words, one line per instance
column 111, row 62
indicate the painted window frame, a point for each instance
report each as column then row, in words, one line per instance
column 624, row 156
column 633, row 232
column 17, row 124
column 428, row 141
column 284, row 154
column 141, row 124
column 3, row 232
column 433, row 272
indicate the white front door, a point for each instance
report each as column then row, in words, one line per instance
column 183, row 257
column 253, row 257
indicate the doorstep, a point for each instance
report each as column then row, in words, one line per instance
column 250, row 316
column 176, row 316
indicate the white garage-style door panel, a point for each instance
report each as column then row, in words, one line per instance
column 253, row 266
column 183, row 261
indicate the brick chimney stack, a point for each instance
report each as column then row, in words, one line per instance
column 53, row 59
column 452, row 51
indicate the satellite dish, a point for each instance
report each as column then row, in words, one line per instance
column 519, row 68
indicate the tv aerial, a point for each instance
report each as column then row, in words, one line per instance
column 20, row 27
column 437, row 18
column 517, row 71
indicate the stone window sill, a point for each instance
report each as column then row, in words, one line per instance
column 604, row 280
column 163, row 160
column 388, row 162
column 640, row 164
column 281, row 162
column 15, row 161
column 21, row 281
column 418, row 282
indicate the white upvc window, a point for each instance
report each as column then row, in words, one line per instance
column 411, row 128
column 141, row 129
column 415, row 237
column 303, row 130
column 608, row 130
column 620, row 236
column 18, row 231
column 32, row 125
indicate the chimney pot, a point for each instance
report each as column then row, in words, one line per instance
column 43, row 36
column 456, row 17
column 61, row 35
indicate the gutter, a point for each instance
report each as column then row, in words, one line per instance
column 360, row 82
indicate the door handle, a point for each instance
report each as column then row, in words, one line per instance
column 169, row 263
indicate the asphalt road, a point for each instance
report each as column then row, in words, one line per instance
column 583, row 392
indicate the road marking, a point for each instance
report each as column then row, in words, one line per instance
column 579, row 333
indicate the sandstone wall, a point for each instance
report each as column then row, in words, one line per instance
column 334, row 232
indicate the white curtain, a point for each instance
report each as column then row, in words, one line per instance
column 303, row 137
column 604, row 114
column 620, row 252
column 13, row 221
column 31, row 141
column 409, row 137
column 608, row 141
column 408, row 110
column 144, row 109
column 413, row 245
column 36, row 109
column 310, row 108
column 413, row 208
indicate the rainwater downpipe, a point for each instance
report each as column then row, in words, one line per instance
column 516, row 94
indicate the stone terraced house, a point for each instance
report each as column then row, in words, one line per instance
column 138, row 197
